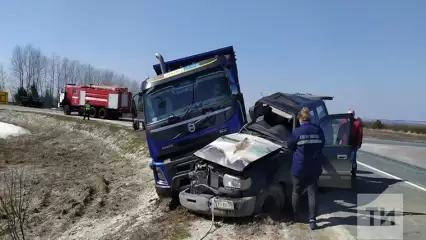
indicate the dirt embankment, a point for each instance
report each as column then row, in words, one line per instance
column 92, row 181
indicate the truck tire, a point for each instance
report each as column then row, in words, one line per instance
column 272, row 200
column 80, row 111
column 93, row 112
column 67, row 110
column 136, row 125
column 102, row 113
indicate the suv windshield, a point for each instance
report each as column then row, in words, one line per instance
column 173, row 99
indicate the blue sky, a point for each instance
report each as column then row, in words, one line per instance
column 370, row 55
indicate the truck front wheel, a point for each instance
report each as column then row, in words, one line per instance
column 67, row 110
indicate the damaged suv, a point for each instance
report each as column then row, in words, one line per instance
column 249, row 172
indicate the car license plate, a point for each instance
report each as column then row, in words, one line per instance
column 224, row 204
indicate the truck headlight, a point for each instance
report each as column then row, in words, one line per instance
column 230, row 181
column 160, row 176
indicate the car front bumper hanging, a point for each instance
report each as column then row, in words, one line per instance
column 222, row 206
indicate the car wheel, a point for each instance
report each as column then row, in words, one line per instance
column 271, row 200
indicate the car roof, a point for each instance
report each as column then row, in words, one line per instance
column 292, row 102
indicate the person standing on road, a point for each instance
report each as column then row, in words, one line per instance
column 87, row 108
column 356, row 136
column 307, row 143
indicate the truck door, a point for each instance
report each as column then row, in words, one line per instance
column 235, row 90
column 337, row 165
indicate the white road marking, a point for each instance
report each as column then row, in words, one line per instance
column 393, row 176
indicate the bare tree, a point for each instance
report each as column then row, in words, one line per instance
column 44, row 70
column 64, row 71
column 88, row 74
column 107, row 77
column 15, row 199
column 52, row 73
column 73, row 72
column 134, row 86
column 31, row 58
column 18, row 65
column 97, row 76
column 29, row 66
column 3, row 78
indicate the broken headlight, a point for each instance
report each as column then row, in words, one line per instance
column 230, row 181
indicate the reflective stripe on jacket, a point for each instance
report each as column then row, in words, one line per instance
column 87, row 107
column 307, row 142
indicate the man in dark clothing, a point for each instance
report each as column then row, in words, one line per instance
column 87, row 108
column 307, row 142
column 356, row 136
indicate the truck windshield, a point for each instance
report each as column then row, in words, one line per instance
column 175, row 98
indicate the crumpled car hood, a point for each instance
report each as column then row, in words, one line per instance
column 236, row 151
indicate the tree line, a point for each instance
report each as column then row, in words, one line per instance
column 32, row 73
column 400, row 127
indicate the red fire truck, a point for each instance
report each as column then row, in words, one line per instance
column 107, row 101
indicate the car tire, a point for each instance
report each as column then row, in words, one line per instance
column 272, row 200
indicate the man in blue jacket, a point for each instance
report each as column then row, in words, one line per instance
column 307, row 142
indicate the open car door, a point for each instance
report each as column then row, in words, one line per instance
column 337, row 150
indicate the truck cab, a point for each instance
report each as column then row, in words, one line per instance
column 191, row 102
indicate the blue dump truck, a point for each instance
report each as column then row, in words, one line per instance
column 191, row 102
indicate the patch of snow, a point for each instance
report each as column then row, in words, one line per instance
column 10, row 130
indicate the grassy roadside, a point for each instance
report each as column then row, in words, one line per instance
column 400, row 132
column 138, row 221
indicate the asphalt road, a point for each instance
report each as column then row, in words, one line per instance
column 391, row 182
column 393, row 185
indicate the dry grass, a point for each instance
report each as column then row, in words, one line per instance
column 93, row 178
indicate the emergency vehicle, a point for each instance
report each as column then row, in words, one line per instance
column 106, row 101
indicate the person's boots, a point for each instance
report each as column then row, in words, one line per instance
column 313, row 224
column 353, row 172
